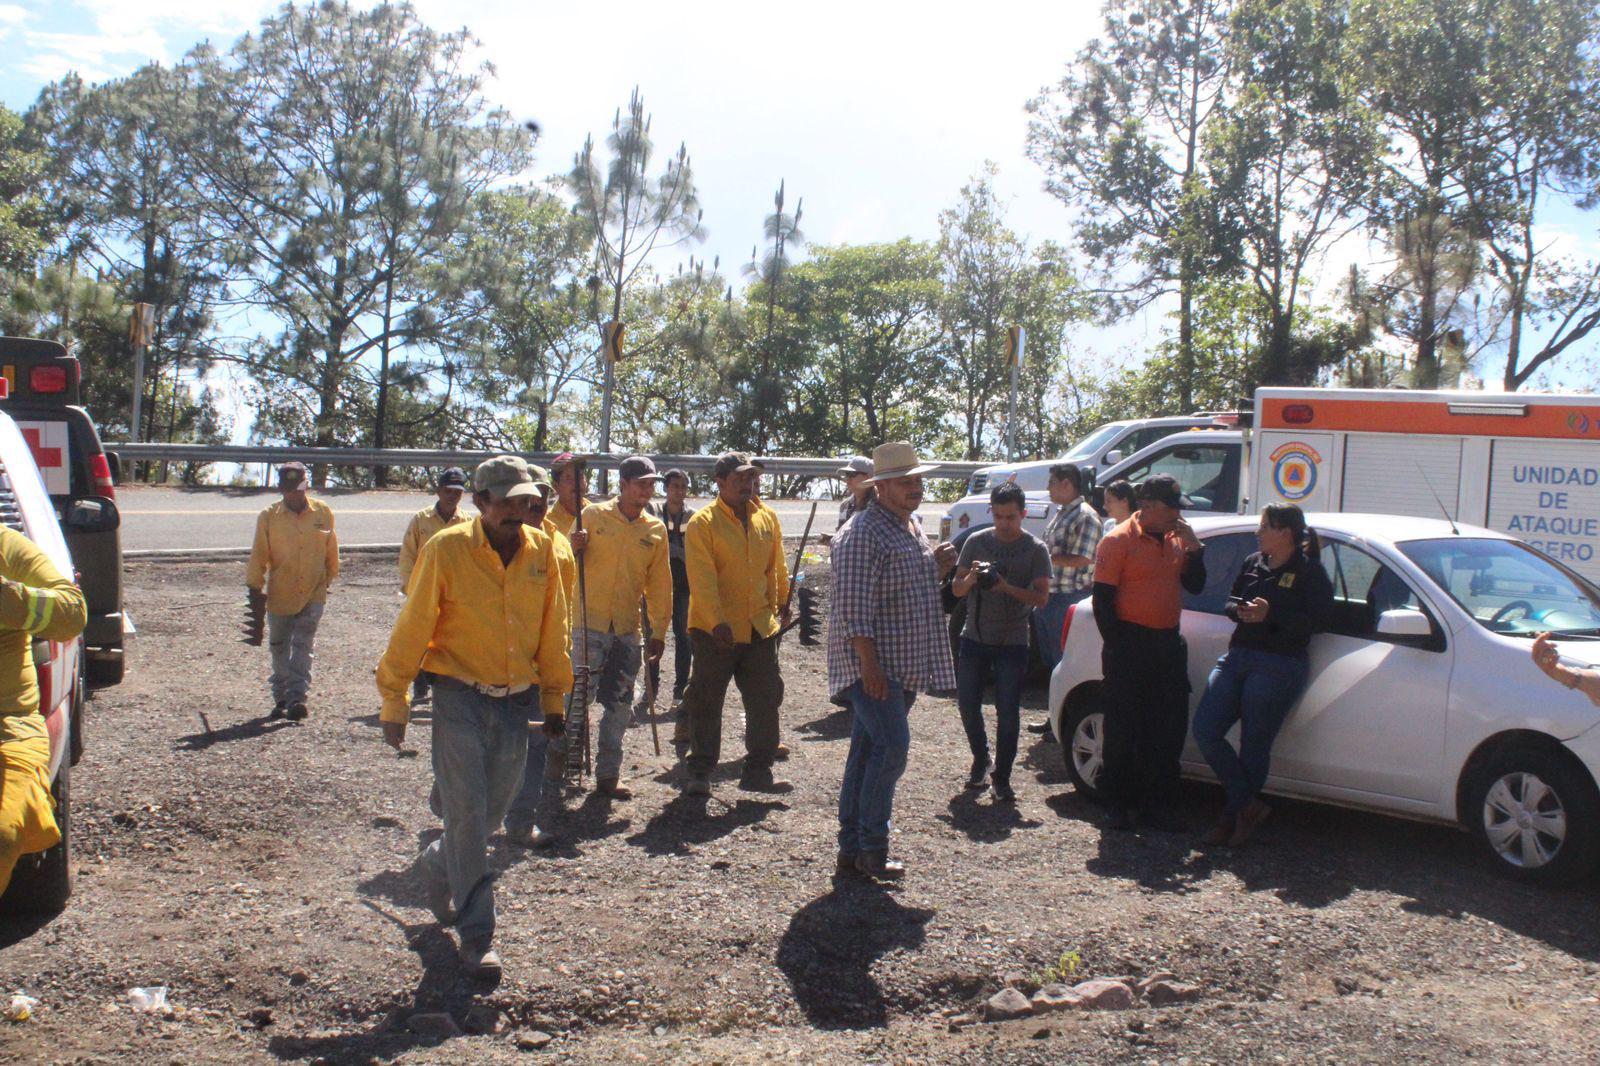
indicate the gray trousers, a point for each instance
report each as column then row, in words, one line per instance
column 480, row 744
column 614, row 660
column 541, row 777
column 290, row 637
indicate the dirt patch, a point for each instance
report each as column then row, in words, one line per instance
column 260, row 870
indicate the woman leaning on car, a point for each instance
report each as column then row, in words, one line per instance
column 1280, row 598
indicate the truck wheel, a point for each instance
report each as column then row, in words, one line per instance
column 42, row 883
column 106, row 671
column 1537, row 815
column 1083, row 747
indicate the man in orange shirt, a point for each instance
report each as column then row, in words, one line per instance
column 1141, row 570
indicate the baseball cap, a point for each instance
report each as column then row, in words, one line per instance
column 676, row 472
column 507, row 476
column 635, row 467
column 856, row 464
column 733, row 463
column 562, row 461
column 1162, row 488
column 292, row 474
column 453, row 478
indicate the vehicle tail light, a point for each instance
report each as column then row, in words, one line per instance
column 48, row 379
column 1066, row 624
column 103, row 485
column 1297, row 414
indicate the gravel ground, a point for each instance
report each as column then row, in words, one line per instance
column 260, row 870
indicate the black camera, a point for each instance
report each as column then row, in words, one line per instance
column 986, row 575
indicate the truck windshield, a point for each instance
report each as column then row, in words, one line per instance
column 1091, row 445
column 1508, row 587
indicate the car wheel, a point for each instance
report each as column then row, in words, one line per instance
column 1084, row 750
column 42, row 883
column 1536, row 814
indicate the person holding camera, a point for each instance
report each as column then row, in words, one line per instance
column 1004, row 574
column 1280, row 598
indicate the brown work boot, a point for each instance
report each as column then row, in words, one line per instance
column 1220, row 833
column 760, row 779
column 480, row 963
column 878, row 866
column 608, row 786
column 1248, row 821
column 846, row 865
column 297, row 712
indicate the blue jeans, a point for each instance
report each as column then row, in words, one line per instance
column 1255, row 689
column 1007, row 665
column 1047, row 623
column 480, row 744
column 880, row 740
column 541, row 776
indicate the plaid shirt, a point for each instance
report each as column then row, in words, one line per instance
column 886, row 586
column 1075, row 530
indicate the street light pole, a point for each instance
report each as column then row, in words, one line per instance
column 1016, row 337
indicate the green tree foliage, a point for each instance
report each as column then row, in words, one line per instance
column 346, row 147
column 25, row 218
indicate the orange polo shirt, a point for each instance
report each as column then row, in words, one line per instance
column 1146, row 572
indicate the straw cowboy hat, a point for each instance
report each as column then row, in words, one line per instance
column 896, row 459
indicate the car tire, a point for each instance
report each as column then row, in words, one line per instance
column 106, row 671
column 1083, row 742
column 1536, row 813
column 42, row 883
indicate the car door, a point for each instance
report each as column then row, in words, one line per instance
column 1371, row 723
column 1206, row 629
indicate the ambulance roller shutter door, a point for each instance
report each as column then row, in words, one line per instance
column 1548, row 494
column 1391, row 474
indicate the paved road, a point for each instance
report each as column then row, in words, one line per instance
column 225, row 518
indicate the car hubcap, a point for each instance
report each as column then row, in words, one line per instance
column 1088, row 747
column 1524, row 820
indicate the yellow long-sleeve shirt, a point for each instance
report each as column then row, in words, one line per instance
column 36, row 602
column 566, row 563
column 736, row 574
column 625, row 560
column 471, row 617
column 564, row 519
column 424, row 524
column 295, row 556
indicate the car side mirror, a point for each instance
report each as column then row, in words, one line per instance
column 92, row 514
column 1404, row 622
column 1113, row 457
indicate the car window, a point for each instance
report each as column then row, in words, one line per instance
column 1363, row 588
column 1148, row 436
column 1508, row 587
column 1225, row 556
column 1090, row 446
column 1034, row 479
column 1208, row 474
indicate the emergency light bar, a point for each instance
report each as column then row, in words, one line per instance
column 1506, row 410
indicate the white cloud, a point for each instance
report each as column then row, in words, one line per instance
column 12, row 15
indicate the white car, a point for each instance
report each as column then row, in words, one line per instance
column 1423, row 699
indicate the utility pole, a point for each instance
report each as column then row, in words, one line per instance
column 141, row 329
column 1016, row 337
column 611, row 355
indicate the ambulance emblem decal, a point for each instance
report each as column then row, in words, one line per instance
column 1294, row 470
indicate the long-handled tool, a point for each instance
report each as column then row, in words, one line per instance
column 652, row 681
column 577, row 731
column 807, row 597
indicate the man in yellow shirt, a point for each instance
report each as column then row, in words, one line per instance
column 443, row 513
column 737, row 587
column 488, row 619
column 570, row 496
column 625, row 557
column 36, row 602
column 294, row 559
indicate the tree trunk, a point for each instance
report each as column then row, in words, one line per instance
column 380, row 473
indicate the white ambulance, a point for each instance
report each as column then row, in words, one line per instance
column 1521, row 463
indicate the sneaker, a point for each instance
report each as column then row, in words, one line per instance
column 1003, row 793
column 608, row 786
column 278, row 709
column 1041, row 726
column 1248, row 821
column 480, row 963
column 697, row 786
column 531, row 838
column 1220, row 833
column 878, row 866
column 761, row 780
column 979, row 777
column 297, row 712
column 781, row 752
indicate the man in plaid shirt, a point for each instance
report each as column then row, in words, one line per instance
column 1072, row 536
column 886, row 643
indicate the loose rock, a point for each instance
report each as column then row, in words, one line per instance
column 1006, row 1004
column 433, row 1023
column 533, row 1040
column 1104, row 995
column 1166, row 993
column 1055, row 997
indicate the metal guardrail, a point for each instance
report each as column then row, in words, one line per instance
column 423, row 457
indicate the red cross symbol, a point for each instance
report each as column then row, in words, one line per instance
column 43, row 456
